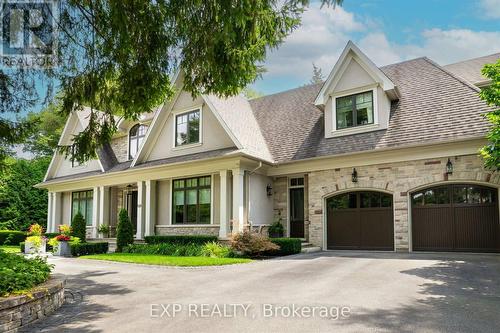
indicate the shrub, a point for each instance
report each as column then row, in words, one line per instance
column 21, row 247
column 51, row 234
column 11, row 237
column 79, row 227
column 35, row 230
column 104, row 230
column 166, row 249
column 82, row 249
column 18, row 273
column 251, row 244
column 124, row 231
column 287, row 246
column 181, row 239
column 216, row 250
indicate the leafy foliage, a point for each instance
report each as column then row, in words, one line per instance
column 251, row 244
column 79, row 227
column 20, row 203
column 181, row 239
column 11, row 237
column 216, row 250
column 124, row 231
column 167, row 249
column 491, row 94
column 18, row 274
column 276, row 229
column 82, row 249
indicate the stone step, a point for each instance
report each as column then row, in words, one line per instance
column 306, row 244
column 311, row 249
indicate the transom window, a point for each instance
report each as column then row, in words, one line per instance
column 82, row 202
column 297, row 182
column 187, row 128
column 136, row 136
column 456, row 194
column 354, row 110
column 191, row 200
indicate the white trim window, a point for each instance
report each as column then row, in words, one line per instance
column 135, row 137
column 187, row 128
column 354, row 110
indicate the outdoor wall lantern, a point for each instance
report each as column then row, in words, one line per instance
column 354, row 175
column 449, row 167
column 269, row 190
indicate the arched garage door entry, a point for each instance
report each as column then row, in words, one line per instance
column 360, row 220
column 455, row 217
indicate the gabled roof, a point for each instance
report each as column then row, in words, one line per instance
column 470, row 70
column 352, row 51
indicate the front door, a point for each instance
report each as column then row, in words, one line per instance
column 132, row 208
column 297, row 212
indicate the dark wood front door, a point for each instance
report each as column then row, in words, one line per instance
column 297, row 212
column 456, row 217
column 132, row 208
column 361, row 221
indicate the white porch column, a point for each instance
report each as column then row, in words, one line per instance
column 56, row 211
column 141, row 208
column 224, row 221
column 50, row 223
column 238, row 199
column 150, row 213
column 103, row 207
column 95, row 212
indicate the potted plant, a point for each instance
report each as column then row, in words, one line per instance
column 61, row 244
column 35, row 242
column 104, row 230
column 276, row 229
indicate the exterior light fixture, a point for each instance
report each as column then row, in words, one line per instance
column 354, row 176
column 449, row 167
column 269, row 190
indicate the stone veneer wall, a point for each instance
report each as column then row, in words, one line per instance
column 19, row 311
column 280, row 195
column 120, row 148
column 398, row 178
column 163, row 230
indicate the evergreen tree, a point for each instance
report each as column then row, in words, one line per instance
column 79, row 227
column 124, row 231
column 318, row 76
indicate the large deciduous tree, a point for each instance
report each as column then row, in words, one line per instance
column 491, row 94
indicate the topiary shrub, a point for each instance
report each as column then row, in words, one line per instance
column 251, row 244
column 83, row 249
column 180, row 239
column 79, row 227
column 124, row 231
column 287, row 246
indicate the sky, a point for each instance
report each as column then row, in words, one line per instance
column 387, row 31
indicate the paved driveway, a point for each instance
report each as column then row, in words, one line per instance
column 383, row 292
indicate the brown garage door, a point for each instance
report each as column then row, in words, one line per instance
column 360, row 220
column 457, row 217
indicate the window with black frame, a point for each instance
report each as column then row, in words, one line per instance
column 135, row 138
column 354, row 110
column 82, row 202
column 187, row 128
column 191, row 200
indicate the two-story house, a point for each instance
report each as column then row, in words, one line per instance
column 382, row 158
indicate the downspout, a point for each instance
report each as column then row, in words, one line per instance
column 248, row 191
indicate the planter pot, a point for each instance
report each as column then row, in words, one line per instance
column 29, row 248
column 63, row 249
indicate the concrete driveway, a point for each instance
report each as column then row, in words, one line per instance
column 377, row 292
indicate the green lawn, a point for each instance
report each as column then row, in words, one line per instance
column 10, row 248
column 154, row 259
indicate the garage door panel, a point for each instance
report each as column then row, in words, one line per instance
column 433, row 229
column 476, row 228
column 344, row 233
column 377, row 229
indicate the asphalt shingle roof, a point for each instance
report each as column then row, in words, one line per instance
column 470, row 70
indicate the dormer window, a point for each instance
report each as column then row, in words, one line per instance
column 136, row 135
column 187, row 128
column 354, row 110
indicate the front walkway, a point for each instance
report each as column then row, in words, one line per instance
column 383, row 291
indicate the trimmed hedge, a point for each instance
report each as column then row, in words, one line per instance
column 21, row 246
column 287, row 246
column 18, row 274
column 166, row 249
column 181, row 239
column 82, row 249
column 11, row 237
